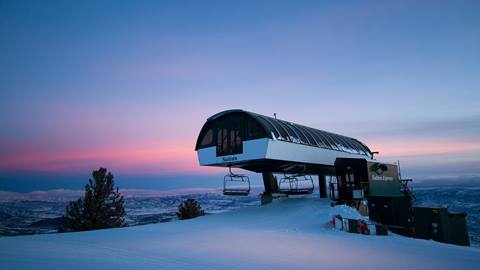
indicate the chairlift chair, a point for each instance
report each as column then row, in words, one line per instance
column 236, row 184
column 296, row 184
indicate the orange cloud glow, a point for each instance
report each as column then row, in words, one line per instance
column 171, row 157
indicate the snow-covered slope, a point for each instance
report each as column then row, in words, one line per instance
column 287, row 234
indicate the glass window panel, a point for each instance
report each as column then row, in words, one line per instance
column 340, row 142
column 301, row 134
column 325, row 139
column 289, row 132
column 253, row 129
column 318, row 138
column 359, row 146
column 229, row 136
column 285, row 134
column 219, row 136
column 331, row 139
column 271, row 128
column 224, row 140
column 207, row 139
column 348, row 143
column 311, row 139
column 238, row 141
column 282, row 133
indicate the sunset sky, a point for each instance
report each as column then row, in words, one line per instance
column 128, row 84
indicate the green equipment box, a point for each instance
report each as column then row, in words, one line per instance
column 440, row 225
column 395, row 212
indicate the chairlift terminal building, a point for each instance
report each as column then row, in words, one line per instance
column 262, row 144
column 258, row 143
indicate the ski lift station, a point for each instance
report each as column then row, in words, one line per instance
column 238, row 139
column 262, row 144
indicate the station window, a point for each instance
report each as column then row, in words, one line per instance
column 207, row 139
column 229, row 139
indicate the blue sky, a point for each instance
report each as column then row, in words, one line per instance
column 128, row 84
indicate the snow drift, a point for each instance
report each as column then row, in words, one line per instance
column 287, row 234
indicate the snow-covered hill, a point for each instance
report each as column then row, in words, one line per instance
column 287, row 234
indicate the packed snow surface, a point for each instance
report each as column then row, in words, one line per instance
column 287, row 234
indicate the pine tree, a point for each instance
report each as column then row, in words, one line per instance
column 189, row 208
column 101, row 207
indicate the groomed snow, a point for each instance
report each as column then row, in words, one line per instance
column 287, row 234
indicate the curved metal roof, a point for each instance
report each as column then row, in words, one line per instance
column 291, row 132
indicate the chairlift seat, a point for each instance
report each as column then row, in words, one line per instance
column 289, row 185
column 297, row 191
column 232, row 192
column 241, row 189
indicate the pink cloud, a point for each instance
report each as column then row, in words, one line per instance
column 147, row 157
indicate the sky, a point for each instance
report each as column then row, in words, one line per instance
column 128, row 84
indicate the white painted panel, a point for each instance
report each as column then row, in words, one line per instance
column 207, row 156
column 274, row 149
column 253, row 149
column 281, row 150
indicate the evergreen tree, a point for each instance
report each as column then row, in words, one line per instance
column 189, row 208
column 101, row 207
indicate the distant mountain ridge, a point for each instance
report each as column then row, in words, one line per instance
column 469, row 181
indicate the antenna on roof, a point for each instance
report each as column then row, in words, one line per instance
column 275, row 115
column 399, row 170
